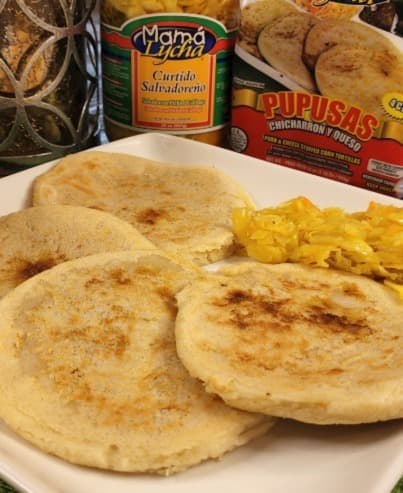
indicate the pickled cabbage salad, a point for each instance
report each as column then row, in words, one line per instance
column 368, row 243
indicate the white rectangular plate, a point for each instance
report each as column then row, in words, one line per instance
column 293, row 457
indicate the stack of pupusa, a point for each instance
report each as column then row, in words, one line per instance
column 89, row 370
column 101, row 344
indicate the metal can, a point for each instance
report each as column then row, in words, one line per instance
column 167, row 67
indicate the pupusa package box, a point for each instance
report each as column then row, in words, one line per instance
column 318, row 86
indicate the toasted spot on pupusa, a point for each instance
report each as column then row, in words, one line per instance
column 181, row 209
column 312, row 344
column 37, row 238
column 89, row 370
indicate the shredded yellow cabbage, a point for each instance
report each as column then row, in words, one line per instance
column 368, row 243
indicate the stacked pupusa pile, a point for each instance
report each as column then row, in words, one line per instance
column 89, row 370
column 124, row 353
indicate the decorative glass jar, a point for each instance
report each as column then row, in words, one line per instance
column 48, row 80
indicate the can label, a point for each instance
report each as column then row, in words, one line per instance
column 168, row 72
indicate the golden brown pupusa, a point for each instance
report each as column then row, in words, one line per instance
column 37, row 238
column 288, row 340
column 89, row 346
column 185, row 210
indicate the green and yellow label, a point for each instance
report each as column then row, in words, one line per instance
column 167, row 72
